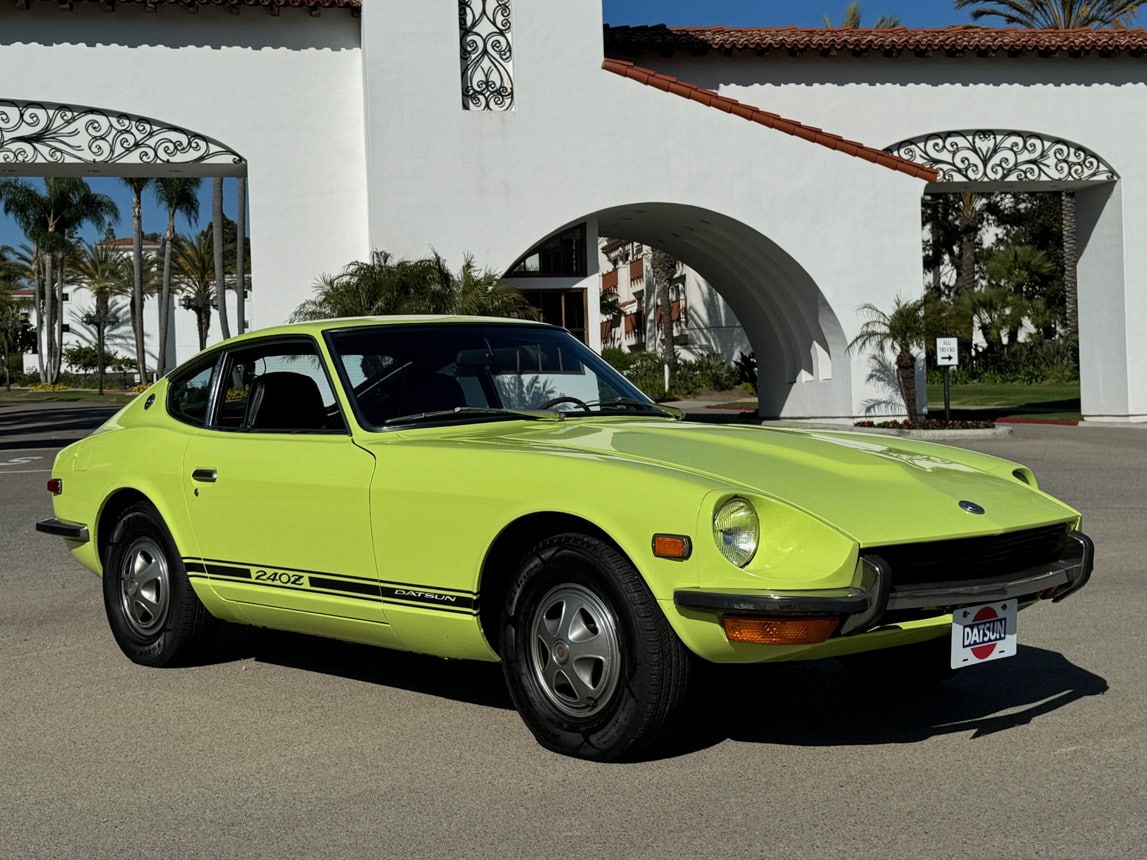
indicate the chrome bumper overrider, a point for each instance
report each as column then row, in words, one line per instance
column 873, row 595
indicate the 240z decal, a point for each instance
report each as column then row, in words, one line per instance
column 279, row 577
column 329, row 583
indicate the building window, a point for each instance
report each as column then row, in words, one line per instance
column 487, row 55
column 561, row 307
column 563, row 254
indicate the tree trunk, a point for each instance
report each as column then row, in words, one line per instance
column 137, row 282
column 1070, row 272
column 165, row 296
column 240, row 253
column 40, row 305
column 906, row 376
column 203, row 323
column 220, row 277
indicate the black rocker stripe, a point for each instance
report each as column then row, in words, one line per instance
column 325, row 583
column 221, row 570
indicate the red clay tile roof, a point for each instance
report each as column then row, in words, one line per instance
column 772, row 120
column 315, row 6
column 949, row 41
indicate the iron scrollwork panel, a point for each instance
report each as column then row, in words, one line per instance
column 1003, row 156
column 46, row 133
column 487, row 55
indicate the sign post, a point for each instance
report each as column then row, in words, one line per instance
column 947, row 357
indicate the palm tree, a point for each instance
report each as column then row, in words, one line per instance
column 1055, row 14
column 851, row 20
column 663, row 266
column 179, row 196
column 384, row 285
column 902, row 330
column 195, row 276
column 51, row 221
column 105, row 271
column 217, row 247
column 137, row 185
column 13, row 317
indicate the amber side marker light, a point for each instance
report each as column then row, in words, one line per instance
column 56, row 486
column 672, row 546
column 778, row 631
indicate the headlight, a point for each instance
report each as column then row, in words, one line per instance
column 737, row 531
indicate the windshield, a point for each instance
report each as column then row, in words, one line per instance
column 402, row 374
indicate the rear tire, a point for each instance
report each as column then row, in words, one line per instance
column 154, row 615
column 592, row 665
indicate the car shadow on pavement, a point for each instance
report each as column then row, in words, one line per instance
column 824, row 704
column 27, row 428
column 460, row 680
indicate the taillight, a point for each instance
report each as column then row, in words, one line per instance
column 56, row 486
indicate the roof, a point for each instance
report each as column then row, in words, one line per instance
column 272, row 6
column 709, row 98
column 892, row 42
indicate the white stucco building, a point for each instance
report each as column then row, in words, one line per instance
column 406, row 126
column 703, row 323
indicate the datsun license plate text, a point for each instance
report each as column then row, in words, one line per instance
column 983, row 633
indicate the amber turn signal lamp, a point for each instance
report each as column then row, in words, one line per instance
column 56, row 486
column 672, row 546
column 778, row 631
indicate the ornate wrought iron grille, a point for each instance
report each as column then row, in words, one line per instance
column 47, row 133
column 487, row 55
column 1003, row 156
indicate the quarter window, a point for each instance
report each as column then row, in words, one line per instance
column 189, row 396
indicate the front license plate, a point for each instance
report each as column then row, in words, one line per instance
column 983, row 633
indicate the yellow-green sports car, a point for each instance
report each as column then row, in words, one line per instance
column 493, row 490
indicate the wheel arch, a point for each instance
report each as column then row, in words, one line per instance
column 112, row 509
column 507, row 550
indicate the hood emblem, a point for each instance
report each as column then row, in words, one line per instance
column 970, row 507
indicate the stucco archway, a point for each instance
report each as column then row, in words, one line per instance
column 795, row 334
column 49, row 139
column 994, row 160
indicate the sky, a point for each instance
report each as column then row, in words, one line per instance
column 781, row 13
column 154, row 216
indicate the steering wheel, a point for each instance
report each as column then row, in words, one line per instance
column 556, row 400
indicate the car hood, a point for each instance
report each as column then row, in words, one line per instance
column 877, row 489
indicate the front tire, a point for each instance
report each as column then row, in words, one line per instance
column 590, row 661
column 154, row 615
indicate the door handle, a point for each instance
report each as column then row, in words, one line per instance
column 206, row 476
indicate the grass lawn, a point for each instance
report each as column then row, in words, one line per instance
column 1007, row 400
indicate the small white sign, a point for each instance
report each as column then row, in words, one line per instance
column 946, row 355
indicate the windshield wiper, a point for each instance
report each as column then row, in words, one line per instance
column 630, row 403
column 462, row 411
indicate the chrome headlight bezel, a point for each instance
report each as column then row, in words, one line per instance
column 737, row 530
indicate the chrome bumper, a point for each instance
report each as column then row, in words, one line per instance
column 64, row 529
column 873, row 595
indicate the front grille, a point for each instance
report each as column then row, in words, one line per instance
column 964, row 559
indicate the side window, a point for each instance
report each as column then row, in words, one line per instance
column 278, row 387
column 189, row 395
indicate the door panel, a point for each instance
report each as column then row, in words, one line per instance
column 283, row 520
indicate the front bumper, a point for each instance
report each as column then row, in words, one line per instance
column 874, row 599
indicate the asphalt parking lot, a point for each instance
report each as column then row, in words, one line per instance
column 283, row 746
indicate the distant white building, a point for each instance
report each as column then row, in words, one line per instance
column 703, row 323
